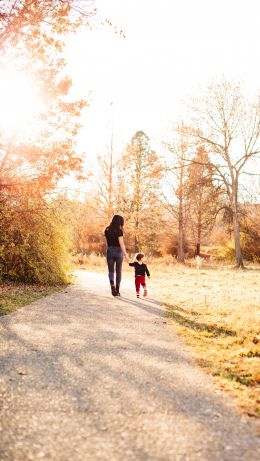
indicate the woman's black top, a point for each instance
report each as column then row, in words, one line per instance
column 112, row 237
column 140, row 269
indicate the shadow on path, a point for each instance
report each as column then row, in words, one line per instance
column 104, row 381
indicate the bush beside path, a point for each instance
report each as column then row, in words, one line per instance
column 84, row 376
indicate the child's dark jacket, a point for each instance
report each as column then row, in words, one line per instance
column 140, row 269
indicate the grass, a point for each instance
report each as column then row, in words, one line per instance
column 15, row 295
column 216, row 310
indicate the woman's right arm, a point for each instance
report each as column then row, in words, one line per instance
column 122, row 246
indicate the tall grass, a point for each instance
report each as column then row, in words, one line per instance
column 217, row 311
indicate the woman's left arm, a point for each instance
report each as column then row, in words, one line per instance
column 122, row 246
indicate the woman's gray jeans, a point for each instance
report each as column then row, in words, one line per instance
column 114, row 260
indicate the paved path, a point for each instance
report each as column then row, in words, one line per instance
column 84, row 376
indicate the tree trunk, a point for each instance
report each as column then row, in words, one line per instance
column 198, row 236
column 136, row 245
column 197, row 253
column 236, row 223
column 199, row 226
column 180, row 253
column 239, row 259
column 110, row 181
column 137, row 248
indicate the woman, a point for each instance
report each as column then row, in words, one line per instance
column 115, row 252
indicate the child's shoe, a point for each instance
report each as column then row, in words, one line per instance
column 137, row 295
column 145, row 292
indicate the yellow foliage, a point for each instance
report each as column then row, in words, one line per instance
column 34, row 245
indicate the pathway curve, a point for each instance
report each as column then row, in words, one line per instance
column 84, row 376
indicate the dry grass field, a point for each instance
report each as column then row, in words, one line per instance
column 216, row 310
column 15, row 295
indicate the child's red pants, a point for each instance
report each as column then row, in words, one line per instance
column 139, row 280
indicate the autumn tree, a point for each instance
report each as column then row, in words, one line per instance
column 175, row 197
column 42, row 16
column 138, row 189
column 35, row 158
column 33, row 33
column 229, row 127
column 204, row 197
column 86, row 225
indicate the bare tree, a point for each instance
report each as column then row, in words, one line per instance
column 229, row 127
column 106, row 181
column 175, row 196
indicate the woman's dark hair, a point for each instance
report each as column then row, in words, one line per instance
column 117, row 223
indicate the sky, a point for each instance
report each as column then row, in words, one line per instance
column 170, row 49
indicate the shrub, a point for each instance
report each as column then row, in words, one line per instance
column 226, row 252
column 251, row 242
column 33, row 245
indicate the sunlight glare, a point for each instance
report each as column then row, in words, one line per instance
column 19, row 100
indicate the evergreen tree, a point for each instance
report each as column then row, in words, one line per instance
column 204, row 197
column 139, row 189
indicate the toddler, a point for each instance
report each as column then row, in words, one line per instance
column 140, row 270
